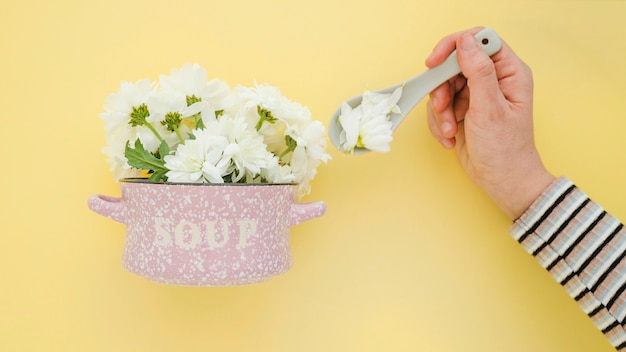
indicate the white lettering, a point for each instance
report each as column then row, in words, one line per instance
column 188, row 235
column 179, row 235
column 162, row 238
column 210, row 234
column 247, row 229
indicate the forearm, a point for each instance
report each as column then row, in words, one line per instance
column 584, row 248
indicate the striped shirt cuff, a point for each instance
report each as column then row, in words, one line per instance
column 583, row 248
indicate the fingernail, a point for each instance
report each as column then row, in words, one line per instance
column 447, row 143
column 446, row 127
column 468, row 42
column 434, row 101
column 432, row 53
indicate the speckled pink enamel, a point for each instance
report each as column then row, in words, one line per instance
column 206, row 235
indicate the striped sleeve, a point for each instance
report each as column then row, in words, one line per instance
column 583, row 248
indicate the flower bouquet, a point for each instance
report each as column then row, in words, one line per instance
column 185, row 128
column 208, row 175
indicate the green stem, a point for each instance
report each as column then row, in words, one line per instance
column 154, row 131
column 291, row 145
column 180, row 137
column 287, row 151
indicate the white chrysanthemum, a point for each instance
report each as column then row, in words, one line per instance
column 118, row 131
column 118, row 164
column 120, row 104
column 292, row 120
column 246, row 148
column 199, row 160
column 191, row 80
column 350, row 121
column 380, row 103
column 161, row 103
column 275, row 172
column 309, row 152
column 375, row 133
column 368, row 125
column 270, row 98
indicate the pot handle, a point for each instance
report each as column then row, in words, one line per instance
column 301, row 212
column 111, row 207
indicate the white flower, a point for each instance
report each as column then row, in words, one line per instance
column 120, row 104
column 375, row 133
column 199, row 160
column 203, row 96
column 162, row 105
column 368, row 125
column 191, row 80
column 118, row 164
column 380, row 103
column 269, row 98
column 277, row 173
column 118, row 131
column 246, row 148
column 350, row 121
column 309, row 152
column 291, row 120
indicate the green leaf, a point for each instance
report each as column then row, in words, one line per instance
column 140, row 158
column 158, row 176
column 164, row 149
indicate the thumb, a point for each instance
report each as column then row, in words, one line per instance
column 480, row 72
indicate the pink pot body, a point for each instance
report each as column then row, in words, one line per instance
column 206, row 235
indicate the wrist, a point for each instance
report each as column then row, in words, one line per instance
column 524, row 192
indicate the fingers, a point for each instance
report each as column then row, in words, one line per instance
column 478, row 84
column 442, row 125
column 446, row 108
column 441, row 109
column 440, row 97
column 516, row 76
column 479, row 70
column 446, row 45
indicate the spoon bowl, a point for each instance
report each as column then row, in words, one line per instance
column 416, row 88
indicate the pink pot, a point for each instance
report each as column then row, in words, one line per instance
column 206, row 234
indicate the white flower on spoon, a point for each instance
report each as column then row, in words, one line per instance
column 368, row 125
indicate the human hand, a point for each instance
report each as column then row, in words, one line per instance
column 485, row 113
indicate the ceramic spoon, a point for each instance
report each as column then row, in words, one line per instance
column 416, row 88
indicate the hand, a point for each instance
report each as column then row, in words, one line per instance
column 485, row 113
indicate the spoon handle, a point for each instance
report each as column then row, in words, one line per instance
column 416, row 88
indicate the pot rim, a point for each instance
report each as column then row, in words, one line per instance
column 145, row 180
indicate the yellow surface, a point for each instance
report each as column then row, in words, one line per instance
column 410, row 256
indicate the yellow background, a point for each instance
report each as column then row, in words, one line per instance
column 410, row 256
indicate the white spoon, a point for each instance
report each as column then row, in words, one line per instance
column 416, row 88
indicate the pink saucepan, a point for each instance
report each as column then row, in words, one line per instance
column 206, row 234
